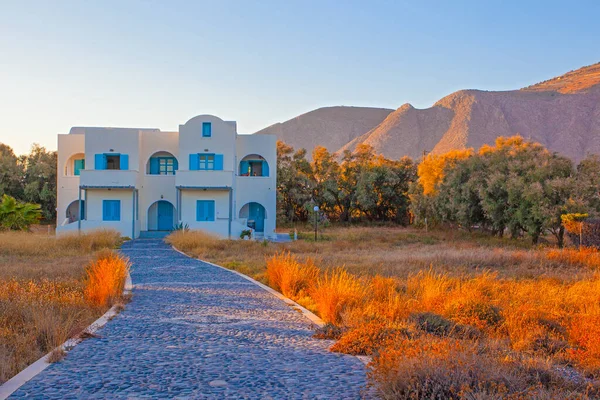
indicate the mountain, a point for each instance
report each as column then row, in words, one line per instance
column 331, row 127
column 562, row 113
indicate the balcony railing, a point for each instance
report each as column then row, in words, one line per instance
column 216, row 179
column 108, row 178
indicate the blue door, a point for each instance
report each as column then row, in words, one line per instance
column 256, row 213
column 165, row 216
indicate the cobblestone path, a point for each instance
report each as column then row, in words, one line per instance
column 196, row 331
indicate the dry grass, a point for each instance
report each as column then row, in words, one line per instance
column 105, row 279
column 446, row 314
column 42, row 286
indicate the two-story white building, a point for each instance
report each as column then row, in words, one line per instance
column 143, row 180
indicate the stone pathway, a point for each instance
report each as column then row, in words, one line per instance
column 197, row 331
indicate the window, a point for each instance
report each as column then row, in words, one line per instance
column 163, row 166
column 111, row 210
column 206, row 129
column 205, row 210
column 78, row 165
column 207, row 161
column 111, row 161
column 252, row 167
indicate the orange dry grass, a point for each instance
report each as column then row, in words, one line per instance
column 105, row 279
column 42, row 293
column 334, row 291
column 506, row 320
column 289, row 276
column 585, row 257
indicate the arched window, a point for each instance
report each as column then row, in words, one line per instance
column 75, row 164
column 162, row 163
column 254, row 165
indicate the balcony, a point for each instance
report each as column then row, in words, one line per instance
column 108, row 178
column 250, row 184
column 201, row 178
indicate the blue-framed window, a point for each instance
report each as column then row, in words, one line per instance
column 206, row 129
column 78, row 165
column 206, row 161
column 111, row 210
column 163, row 166
column 205, row 210
column 111, row 161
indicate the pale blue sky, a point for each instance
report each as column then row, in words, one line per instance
column 158, row 63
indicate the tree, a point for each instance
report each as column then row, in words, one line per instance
column 588, row 184
column 382, row 190
column 294, row 184
column 11, row 173
column 15, row 215
column 40, row 179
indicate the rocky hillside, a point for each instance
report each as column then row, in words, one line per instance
column 331, row 127
column 562, row 113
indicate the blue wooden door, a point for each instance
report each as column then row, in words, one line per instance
column 257, row 214
column 165, row 216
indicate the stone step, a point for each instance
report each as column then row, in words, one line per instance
column 154, row 234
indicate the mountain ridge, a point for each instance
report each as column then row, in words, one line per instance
column 562, row 113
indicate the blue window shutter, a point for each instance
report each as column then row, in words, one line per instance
column 211, row 210
column 105, row 210
column 194, row 162
column 111, row 210
column 154, row 166
column 199, row 210
column 117, row 210
column 124, row 161
column 175, row 164
column 206, row 129
column 244, row 165
column 265, row 168
column 100, row 161
column 219, row 162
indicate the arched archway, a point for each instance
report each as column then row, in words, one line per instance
column 162, row 163
column 255, row 215
column 161, row 216
column 75, row 164
column 73, row 213
column 254, row 165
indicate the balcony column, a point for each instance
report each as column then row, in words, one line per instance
column 79, row 216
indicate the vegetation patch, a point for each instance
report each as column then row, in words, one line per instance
column 44, row 292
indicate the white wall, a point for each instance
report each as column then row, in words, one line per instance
column 67, row 185
column 222, row 141
column 188, row 210
column 94, row 210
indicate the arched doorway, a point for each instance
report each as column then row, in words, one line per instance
column 161, row 216
column 73, row 213
column 255, row 214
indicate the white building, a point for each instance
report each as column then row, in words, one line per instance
column 143, row 180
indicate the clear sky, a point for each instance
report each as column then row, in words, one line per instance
column 156, row 64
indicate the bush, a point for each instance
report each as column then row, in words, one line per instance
column 189, row 240
column 289, row 276
column 334, row 292
column 105, row 279
column 16, row 215
column 367, row 338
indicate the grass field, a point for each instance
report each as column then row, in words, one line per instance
column 444, row 314
column 51, row 289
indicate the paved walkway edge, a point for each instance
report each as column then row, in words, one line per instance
column 14, row 383
column 308, row 314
